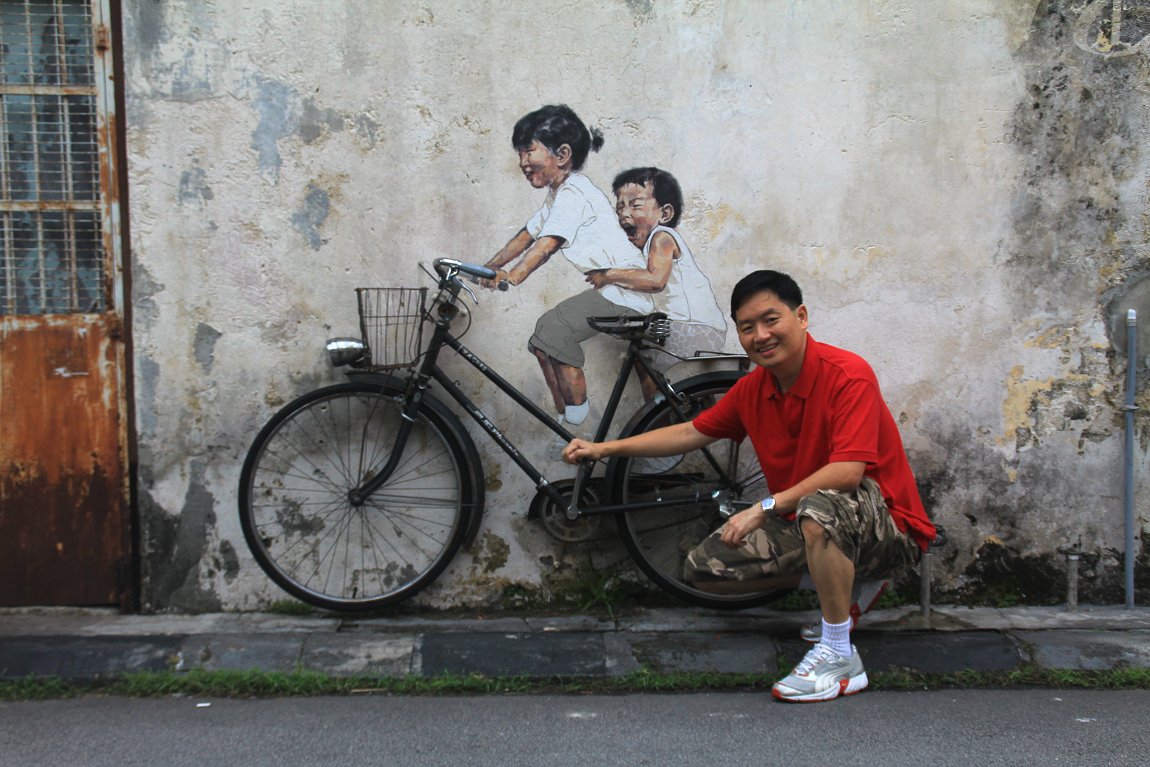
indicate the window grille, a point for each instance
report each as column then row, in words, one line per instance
column 53, row 259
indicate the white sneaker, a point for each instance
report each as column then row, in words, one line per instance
column 822, row 675
column 866, row 595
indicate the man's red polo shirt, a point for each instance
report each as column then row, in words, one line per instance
column 834, row 412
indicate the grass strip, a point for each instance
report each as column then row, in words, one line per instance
column 263, row 684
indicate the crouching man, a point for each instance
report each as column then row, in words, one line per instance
column 844, row 503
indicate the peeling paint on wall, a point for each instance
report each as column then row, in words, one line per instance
column 205, row 344
column 313, row 122
column 272, row 103
column 309, row 219
column 194, row 188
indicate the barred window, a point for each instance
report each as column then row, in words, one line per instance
column 53, row 259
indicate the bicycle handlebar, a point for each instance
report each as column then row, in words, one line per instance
column 446, row 265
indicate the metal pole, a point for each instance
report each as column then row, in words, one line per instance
column 924, row 584
column 1131, row 386
column 1071, row 583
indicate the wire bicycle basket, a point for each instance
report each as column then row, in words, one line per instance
column 391, row 320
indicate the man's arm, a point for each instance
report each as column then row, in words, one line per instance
column 842, row 475
column 670, row 440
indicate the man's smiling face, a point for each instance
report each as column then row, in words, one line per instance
column 773, row 335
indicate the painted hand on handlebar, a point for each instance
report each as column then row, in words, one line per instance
column 500, row 281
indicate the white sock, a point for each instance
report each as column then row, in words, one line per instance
column 577, row 414
column 837, row 636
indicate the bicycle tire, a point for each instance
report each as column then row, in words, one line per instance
column 309, row 538
column 659, row 539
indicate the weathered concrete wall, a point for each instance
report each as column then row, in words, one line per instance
column 960, row 186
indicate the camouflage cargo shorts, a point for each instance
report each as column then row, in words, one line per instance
column 857, row 522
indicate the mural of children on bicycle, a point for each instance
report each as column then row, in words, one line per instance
column 631, row 254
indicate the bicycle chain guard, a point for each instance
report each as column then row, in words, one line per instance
column 554, row 519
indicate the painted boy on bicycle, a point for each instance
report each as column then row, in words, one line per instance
column 845, row 500
column 649, row 204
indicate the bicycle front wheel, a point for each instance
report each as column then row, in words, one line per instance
column 305, row 532
column 659, row 539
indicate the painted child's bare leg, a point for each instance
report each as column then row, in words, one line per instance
column 552, row 381
column 573, row 385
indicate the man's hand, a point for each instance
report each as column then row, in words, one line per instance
column 741, row 525
column 581, row 450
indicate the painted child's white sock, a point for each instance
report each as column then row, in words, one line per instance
column 577, row 414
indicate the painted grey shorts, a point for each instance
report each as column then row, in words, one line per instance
column 561, row 329
column 686, row 338
column 857, row 522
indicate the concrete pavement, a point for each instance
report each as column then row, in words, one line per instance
column 85, row 644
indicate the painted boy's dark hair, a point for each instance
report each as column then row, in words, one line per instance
column 553, row 126
column 769, row 281
column 663, row 184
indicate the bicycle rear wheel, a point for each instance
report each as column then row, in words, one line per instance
column 309, row 538
column 659, row 539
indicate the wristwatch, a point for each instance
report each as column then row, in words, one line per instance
column 768, row 503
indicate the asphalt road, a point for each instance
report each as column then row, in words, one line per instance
column 961, row 727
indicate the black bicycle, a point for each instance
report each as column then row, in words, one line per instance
column 357, row 495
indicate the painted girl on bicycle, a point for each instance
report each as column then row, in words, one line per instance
column 578, row 219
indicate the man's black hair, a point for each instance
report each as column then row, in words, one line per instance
column 663, row 185
column 553, row 126
column 766, row 281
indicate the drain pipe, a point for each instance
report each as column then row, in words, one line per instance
column 1072, row 558
column 1073, row 554
column 1131, row 386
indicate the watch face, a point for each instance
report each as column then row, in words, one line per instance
column 768, row 503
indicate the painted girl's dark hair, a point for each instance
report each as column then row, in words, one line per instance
column 663, row 186
column 553, row 126
column 768, row 281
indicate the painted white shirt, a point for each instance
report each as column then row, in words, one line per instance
column 688, row 296
column 592, row 239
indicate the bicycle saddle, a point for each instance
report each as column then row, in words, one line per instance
column 655, row 327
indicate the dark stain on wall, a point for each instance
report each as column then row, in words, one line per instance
column 1079, row 134
column 314, row 121
column 205, row 345
column 272, row 105
column 194, row 188
column 176, row 545
column 1077, row 231
column 310, row 218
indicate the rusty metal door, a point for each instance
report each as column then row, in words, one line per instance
column 65, row 533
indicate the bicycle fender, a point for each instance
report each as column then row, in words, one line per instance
column 475, row 463
column 687, row 385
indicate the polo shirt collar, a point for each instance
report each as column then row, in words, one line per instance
column 806, row 381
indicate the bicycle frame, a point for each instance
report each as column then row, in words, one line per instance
column 429, row 370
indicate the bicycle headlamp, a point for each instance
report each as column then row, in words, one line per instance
column 345, row 351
